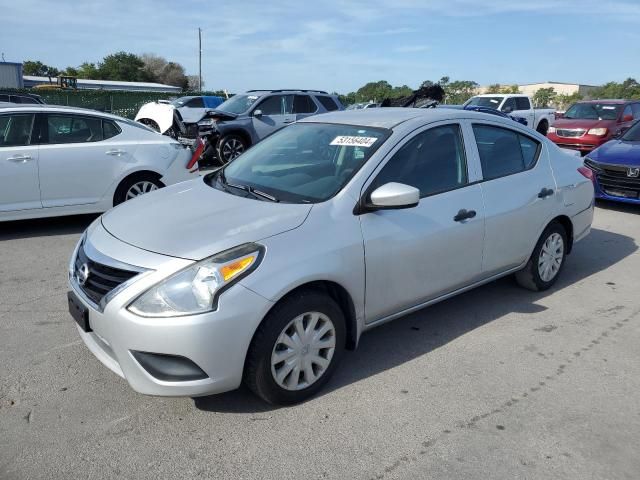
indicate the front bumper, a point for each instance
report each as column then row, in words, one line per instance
column 217, row 342
column 584, row 144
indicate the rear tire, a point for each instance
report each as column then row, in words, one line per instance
column 546, row 262
column 136, row 185
column 296, row 349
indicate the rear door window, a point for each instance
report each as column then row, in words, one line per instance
column 523, row 103
column 504, row 152
column 73, row 129
column 509, row 105
column 627, row 111
column 303, row 104
column 327, row 102
column 16, row 129
column 635, row 107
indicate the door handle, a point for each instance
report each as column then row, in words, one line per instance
column 20, row 158
column 116, row 152
column 545, row 192
column 464, row 215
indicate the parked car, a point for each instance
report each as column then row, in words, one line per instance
column 245, row 119
column 589, row 124
column 27, row 98
column 257, row 271
column 362, row 106
column 492, row 111
column 616, row 167
column 540, row 119
column 159, row 115
column 66, row 161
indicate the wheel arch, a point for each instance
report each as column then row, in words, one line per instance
column 340, row 295
column 240, row 132
column 133, row 175
column 543, row 123
column 567, row 224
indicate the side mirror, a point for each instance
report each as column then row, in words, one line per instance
column 394, row 196
column 257, row 113
column 627, row 118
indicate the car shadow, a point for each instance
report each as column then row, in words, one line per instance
column 618, row 206
column 45, row 227
column 421, row 332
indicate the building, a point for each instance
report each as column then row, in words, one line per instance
column 31, row 81
column 10, row 75
column 560, row 88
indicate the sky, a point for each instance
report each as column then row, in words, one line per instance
column 339, row 45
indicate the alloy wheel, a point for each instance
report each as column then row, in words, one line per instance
column 551, row 257
column 140, row 188
column 303, row 351
column 231, row 149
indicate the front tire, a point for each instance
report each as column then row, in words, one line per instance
column 543, row 127
column 296, row 349
column 230, row 147
column 547, row 260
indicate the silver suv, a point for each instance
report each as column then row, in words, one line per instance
column 246, row 118
column 267, row 269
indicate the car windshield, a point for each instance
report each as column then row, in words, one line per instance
column 238, row 104
column 593, row 111
column 491, row 102
column 633, row 134
column 303, row 163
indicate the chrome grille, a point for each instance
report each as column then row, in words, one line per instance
column 614, row 180
column 96, row 279
column 570, row 132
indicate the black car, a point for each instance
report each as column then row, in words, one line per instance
column 29, row 98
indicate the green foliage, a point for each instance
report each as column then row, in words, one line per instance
column 544, row 97
column 125, row 67
column 510, row 89
column 39, row 69
column 629, row 89
column 563, row 101
column 494, row 88
column 88, row 71
column 459, row 91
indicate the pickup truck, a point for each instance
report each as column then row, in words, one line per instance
column 518, row 105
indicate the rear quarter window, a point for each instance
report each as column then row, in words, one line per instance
column 327, row 103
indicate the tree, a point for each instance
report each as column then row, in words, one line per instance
column 123, row 66
column 493, row 88
column 544, row 97
column 39, row 69
column 88, row 71
column 193, row 83
column 629, row 89
column 459, row 91
column 563, row 101
column 162, row 71
column 374, row 91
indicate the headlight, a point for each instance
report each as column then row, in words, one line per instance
column 196, row 288
column 598, row 132
column 72, row 260
column 551, row 130
column 207, row 122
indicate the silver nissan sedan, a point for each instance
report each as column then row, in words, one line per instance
column 266, row 270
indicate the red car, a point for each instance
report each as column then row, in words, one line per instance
column 587, row 125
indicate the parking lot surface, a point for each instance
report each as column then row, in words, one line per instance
column 498, row 383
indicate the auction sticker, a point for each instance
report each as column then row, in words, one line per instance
column 354, row 141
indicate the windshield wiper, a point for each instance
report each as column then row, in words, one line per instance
column 248, row 189
column 263, row 194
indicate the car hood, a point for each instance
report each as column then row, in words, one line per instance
column 587, row 124
column 617, row 152
column 193, row 220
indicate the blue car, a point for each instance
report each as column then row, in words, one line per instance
column 615, row 167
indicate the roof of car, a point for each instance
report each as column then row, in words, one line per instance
column 4, row 108
column 390, row 117
column 606, row 100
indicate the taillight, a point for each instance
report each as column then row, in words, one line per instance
column 196, row 154
column 587, row 172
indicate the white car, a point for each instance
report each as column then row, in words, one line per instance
column 517, row 105
column 158, row 115
column 66, row 161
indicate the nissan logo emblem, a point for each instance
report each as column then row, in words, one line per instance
column 82, row 274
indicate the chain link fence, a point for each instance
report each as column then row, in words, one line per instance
column 118, row 102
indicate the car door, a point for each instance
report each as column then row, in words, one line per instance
column 78, row 164
column 417, row 254
column 19, row 189
column 518, row 188
column 303, row 106
column 271, row 114
column 523, row 109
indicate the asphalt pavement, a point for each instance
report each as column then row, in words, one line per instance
column 498, row 383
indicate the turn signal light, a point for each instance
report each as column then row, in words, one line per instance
column 586, row 172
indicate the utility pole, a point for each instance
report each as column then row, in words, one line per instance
column 199, row 59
